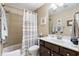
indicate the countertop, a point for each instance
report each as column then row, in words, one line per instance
column 64, row 42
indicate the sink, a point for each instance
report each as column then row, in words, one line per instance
column 65, row 39
column 55, row 37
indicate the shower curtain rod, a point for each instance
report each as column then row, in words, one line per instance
column 2, row 5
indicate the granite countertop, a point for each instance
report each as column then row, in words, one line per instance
column 64, row 42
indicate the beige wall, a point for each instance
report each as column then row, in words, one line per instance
column 43, row 12
column 13, row 10
column 14, row 26
column 65, row 15
column 1, row 49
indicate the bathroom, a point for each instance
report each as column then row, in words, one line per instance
column 41, row 29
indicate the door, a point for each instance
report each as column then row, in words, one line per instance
column 44, row 51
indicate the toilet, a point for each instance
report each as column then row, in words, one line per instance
column 33, row 50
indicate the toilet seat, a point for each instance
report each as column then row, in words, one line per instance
column 35, row 47
column 33, row 50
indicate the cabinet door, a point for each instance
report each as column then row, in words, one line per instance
column 54, row 54
column 44, row 51
column 77, row 53
column 52, row 47
column 67, row 52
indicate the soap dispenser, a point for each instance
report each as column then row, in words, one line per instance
column 74, row 40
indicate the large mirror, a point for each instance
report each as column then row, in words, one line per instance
column 61, row 16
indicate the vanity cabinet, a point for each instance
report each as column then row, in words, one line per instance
column 49, row 49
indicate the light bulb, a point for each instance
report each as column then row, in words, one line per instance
column 53, row 6
column 59, row 4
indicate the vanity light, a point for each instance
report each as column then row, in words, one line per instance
column 53, row 6
column 60, row 4
column 56, row 5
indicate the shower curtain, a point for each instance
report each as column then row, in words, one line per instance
column 29, row 31
column 4, row 27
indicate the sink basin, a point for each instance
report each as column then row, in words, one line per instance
column 65, row 39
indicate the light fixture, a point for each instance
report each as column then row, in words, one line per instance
column 60, row 4
column 56, row 5
column 53, row 6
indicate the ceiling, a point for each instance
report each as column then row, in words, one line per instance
column 28, row 6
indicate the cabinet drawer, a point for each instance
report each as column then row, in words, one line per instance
column 77, row 53
column 42, row 42
column 67, row 52
column 54, row 54
column 44, row 51
column 52, row 47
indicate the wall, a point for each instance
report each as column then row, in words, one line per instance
column 0, row 39
column 14, row 16
column 65, row 15
column 43, row 12
column 13, row 10
column 0, row 49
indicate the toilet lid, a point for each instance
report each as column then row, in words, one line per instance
column 35, row 47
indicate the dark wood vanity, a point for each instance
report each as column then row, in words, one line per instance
column 49, row 49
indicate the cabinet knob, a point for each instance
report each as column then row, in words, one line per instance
column 67, row 54
column 52, row 54
column 48, row 52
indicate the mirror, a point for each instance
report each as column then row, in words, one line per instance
column 61, row 18
column 0, row 25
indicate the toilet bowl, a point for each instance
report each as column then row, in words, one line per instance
column 33, row 50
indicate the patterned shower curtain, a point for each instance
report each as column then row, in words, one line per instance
column 4, row 27
column 29, row 31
